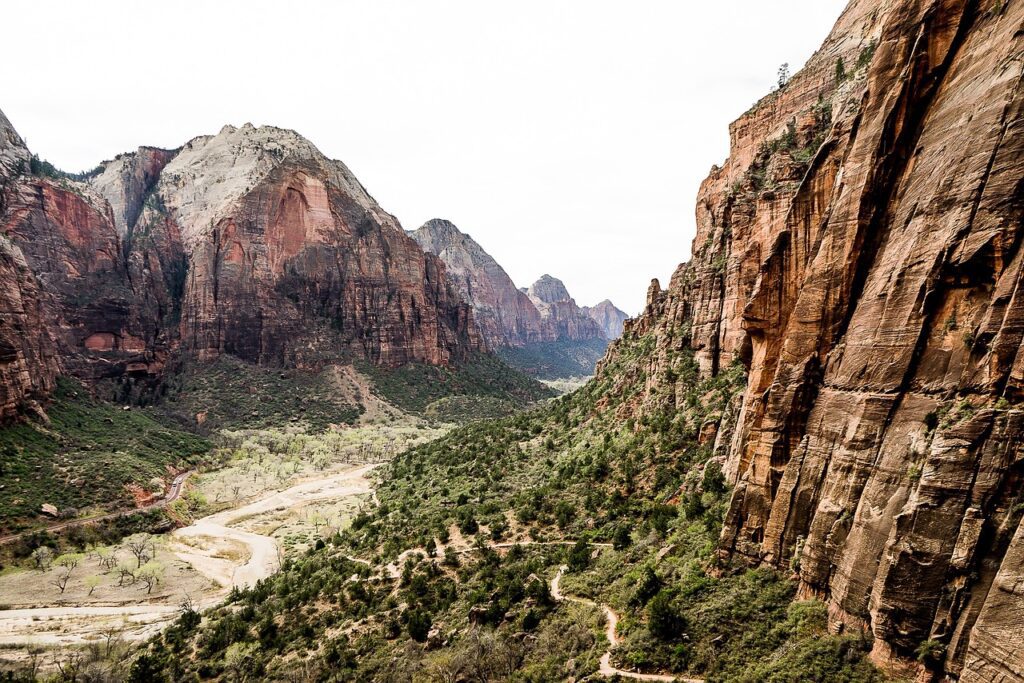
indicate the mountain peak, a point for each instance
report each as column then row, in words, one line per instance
column 549, row 290
column 439, row 232
column 211, row 173
column 610, row 318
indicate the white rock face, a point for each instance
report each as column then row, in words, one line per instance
column 13, row 153
column 207, row 178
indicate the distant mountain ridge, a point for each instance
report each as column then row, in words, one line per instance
column 539, row 328
column 608, row 317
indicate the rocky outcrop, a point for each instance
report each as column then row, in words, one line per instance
column 542, row 314
column 29, row 364
column 609, row 318
column 291, row 261
column 563, row 318
column 859, row 253
column 505, row 315
column 249, row 243
column 127, row 183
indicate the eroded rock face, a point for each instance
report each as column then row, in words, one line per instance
column 563, row 318
column 609, row 318
column 291, row 261
column 249, row 243
column 505, row 315
column 545, row 312
column 28, row 360
column 860, row 253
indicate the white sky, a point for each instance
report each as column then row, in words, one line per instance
column 565, row 137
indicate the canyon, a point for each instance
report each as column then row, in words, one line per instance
column 540, row 328
column 844, row 350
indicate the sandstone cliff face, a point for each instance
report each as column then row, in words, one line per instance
column 511, row 317
column 609, row 318
column 860, row 253
column 563, row 318
column 28, row 361
column 505, row 315
column 291, row 261
column 249, row 243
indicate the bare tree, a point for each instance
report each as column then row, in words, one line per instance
column 125, row 574
column 61, row 579
column 150, row 574
column 112, row 636
column 69, row 664
column 141, row 546
column 106, row 557
column 69, row 561
column 43, row 557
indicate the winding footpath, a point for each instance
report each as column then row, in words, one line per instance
column 206, row 545
column 612, row 635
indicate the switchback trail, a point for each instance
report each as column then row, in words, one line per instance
column 611, row 633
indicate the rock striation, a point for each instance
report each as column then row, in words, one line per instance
column 563, row 318
column 609, row 318
column 860, row 253
column 249, row 243
column 29, row 364
column 540, row 328
column 506, row 316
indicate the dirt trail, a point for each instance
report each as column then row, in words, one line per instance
column 356, row 389
column 216, row 531
column 612, row 635
column 226, row 555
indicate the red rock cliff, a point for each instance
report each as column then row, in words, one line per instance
column 29, row 364
column 291, row 261
column 249, row 243
column 860, row 253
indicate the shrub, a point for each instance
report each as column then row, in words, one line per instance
column 663, row 618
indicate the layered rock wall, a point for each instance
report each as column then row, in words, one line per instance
column 249, row 243
column 860, row 253
column 29, row 364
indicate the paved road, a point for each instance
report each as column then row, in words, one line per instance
column 176, row 487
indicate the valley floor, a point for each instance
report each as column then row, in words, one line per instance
column 204, row 561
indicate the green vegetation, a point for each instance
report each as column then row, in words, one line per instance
column 87, row 455
column 865, row 56
column 230, row 394
column 556, row 360
column 43, row 168
column 612, row 481
column 415, row 386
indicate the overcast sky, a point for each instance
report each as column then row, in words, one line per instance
column 566, row 137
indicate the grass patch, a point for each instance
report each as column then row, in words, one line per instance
column 85, row 456
column 415, row 386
